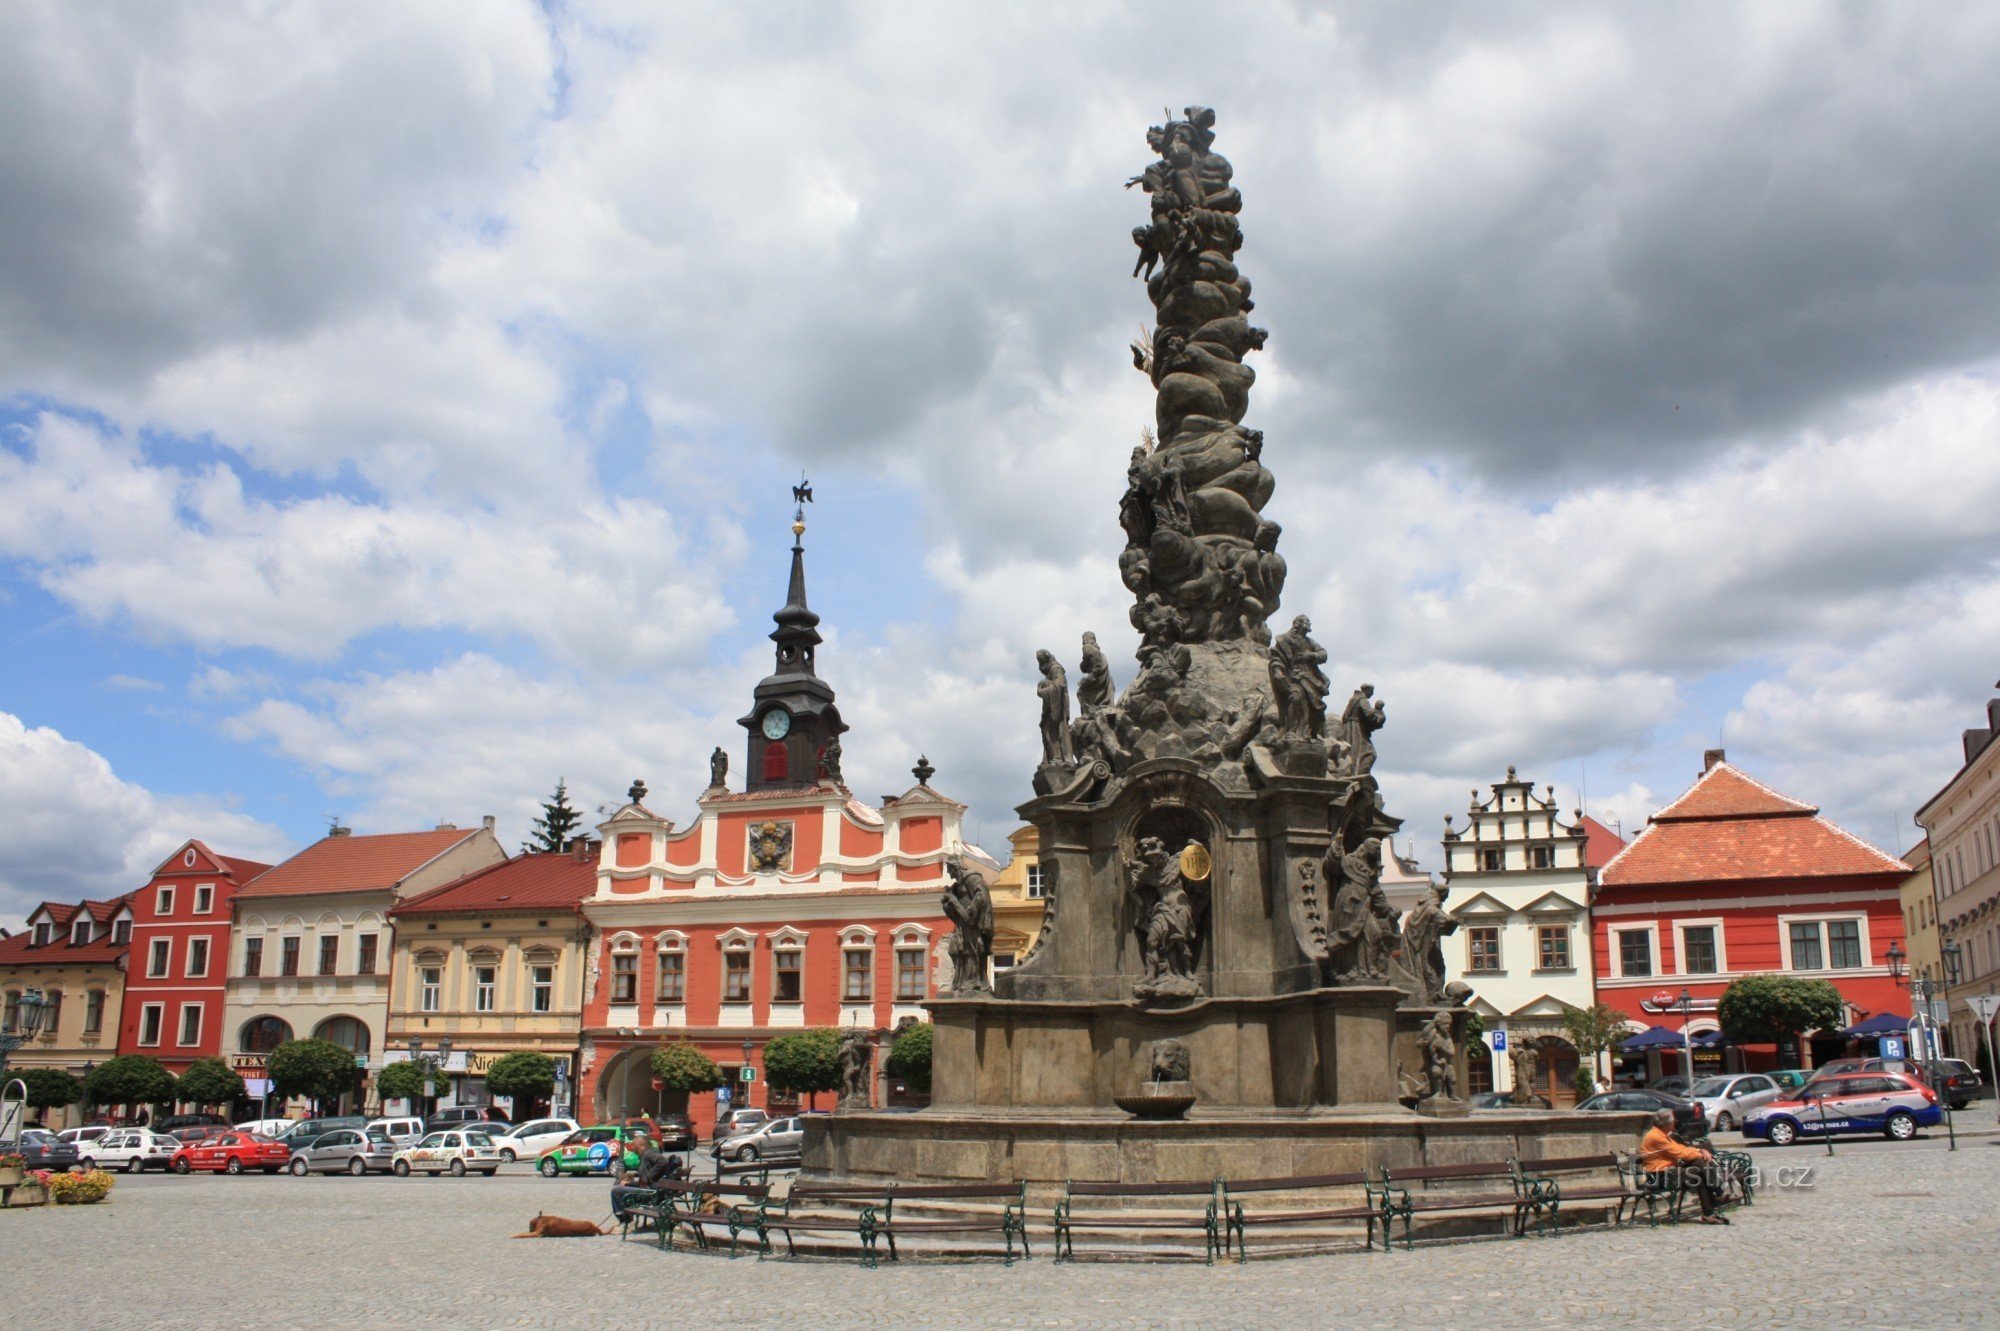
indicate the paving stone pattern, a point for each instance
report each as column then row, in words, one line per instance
column 1894, row 1237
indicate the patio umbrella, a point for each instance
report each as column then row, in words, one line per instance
column 1710, row 1040
column 1653, row 1037
column 1882, row 1023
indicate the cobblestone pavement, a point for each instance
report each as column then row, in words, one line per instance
column 1878, row 1236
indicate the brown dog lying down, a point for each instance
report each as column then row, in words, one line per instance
column 557, row 1227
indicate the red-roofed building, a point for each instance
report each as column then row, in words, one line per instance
column 74, row 954
column 494, row 963
column 310, row 948
column 178, row 973
column 784, row 906
column 1734, row 879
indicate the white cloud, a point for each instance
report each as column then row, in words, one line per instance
column 71, row 828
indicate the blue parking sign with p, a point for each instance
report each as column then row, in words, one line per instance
column 1499, row 1041
column 1892, row 1046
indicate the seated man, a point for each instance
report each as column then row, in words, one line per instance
column 626, row 1187
column 655, row 1168
column 1659, row 1153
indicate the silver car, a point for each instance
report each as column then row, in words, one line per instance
column 1726, row 1101
column 778, row 1139
column 344, row 1151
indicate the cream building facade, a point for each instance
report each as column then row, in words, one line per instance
column 1962, row 824
column 75, row 954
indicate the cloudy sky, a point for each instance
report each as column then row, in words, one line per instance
column 398, row 403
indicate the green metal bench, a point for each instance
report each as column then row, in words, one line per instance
column 1208, row 1221
column 1011, row 1223
column 816, row 1208
column 1400, row 1198
column 1237, row 1218
column 1544, row 1193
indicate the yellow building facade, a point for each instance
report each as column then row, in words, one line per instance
column 1020, row 899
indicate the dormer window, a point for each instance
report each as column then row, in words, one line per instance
column 121, row 931
column 79, row 933
column 45, row 934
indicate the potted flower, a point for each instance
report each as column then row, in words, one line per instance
column 31, row 1191
column 13, row 1168
column 80, row 1189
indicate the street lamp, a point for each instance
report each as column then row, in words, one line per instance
column 1666, row 1001
column 1922, row 989
column 432, row 1064
column 31, row 1009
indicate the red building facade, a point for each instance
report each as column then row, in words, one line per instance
column 1735, row 879
column 178, row 967
column 784, row 906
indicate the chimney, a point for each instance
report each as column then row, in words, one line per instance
column 446, row 827
column 338, row 830
column 487, row 822
column 585, row 848
column 1709, row 758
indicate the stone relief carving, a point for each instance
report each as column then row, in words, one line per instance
column 1169, row 1061
column 1364, row 934
column 770, row 846
column 1166, row 922
column 857, row 1053
column 1440, row 1058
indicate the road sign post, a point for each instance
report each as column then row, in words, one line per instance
column 1983, row 1007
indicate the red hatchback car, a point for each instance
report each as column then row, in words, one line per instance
column 232, row 1153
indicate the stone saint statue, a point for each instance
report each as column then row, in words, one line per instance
column 1165, row 924
column 829, row 761
column 1440, row 1059
column 968, row 904
column 1423, row 943
column 1364, row 933
column 1093, row 687
column 1298, row 685
column 855, row 1056
column 1054, row 693
column 1527, row 1071
column 718, row 769
column 1358, row 723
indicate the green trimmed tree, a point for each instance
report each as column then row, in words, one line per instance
column 682, row 1067
column 319, row 1070
column 556, row 828
column 130, row 1080
column 804, row 1064
column 1595, row 1030
column 910, row 1057
column 1760, row 1009
column 523, row 1074
column 48, row 1088
column 210, row 1081
column 401, row 1081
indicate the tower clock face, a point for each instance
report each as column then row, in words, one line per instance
column 777, row 723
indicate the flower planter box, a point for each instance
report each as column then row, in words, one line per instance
column 11, row 1176
column 25, row 1194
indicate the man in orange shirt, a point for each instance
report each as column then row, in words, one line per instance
column 1659, row 1152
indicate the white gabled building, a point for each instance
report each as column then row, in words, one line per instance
column 1519, row 880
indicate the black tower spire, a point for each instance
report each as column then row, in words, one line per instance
column 792, row 717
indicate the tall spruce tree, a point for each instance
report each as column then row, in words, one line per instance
column 556, row 828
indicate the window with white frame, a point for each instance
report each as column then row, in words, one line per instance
column 672, row 987
column 152, row 1016
column 190, row 1023
column 909, row 973
column 45, row 934
column 204, row 898
column 1482, row 942
column 79, row 933
column 430, row 988
column 158, row 957
column 1635, row 951
column 163, row 901
column 736, row 973
column 1038, row 881
column 197, row 961
column 542, row 988
column 1825, row 944
column 121, row 932
column 1552, row 947
column 857, row 973
column 485, row 988
column 1699, row 955
column 788, row 975
column 93, row 1012
column 625, row 976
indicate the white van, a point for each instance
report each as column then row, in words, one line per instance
column 267, row 1127
column 401, row 1131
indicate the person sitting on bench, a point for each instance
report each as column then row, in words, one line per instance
column 1660, row 1152
column 655, row 1168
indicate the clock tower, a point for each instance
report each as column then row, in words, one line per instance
column 792, row 719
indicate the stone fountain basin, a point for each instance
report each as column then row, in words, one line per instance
column 1158, row 1099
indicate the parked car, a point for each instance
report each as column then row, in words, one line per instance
column 205, row 1132
column 263, row 1127
column 1790, row 1079
column 675, row 1132
column 1676, row 1085
column 1689, row 1121
column 1958, row 1082
column 776, row 1139
column 1505, row 1100
column 132, row 1150
column 1725, row 1100
column 461, row 1150
column 42, row 1149
column 591, row 1150
column 459, row 1115
column 232, row 1153
column 305, row 1129
column 80, row 1137
column 402, row 1131
column 737, row 1120
column 173, row 1123
column 345, row 1150
column 1893, row 1103
column 528, row 1140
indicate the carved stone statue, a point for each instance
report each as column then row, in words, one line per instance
column 1093, row 685
column 1165, row 922
column 968, row 904
column 1363, row 716
column 1298, row 685
column 1527, row 1071
column 718, row 769
column 829, row 760
column 1440, row 1058
column 1054, row 693
column 856, row 1054
column 1424, row 931
column 1364, row 932
column 1169, row 1061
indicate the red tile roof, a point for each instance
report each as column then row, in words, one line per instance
column 526, row 882
column 242, row 870
column 20, row 949
column 1728, row 827
column 1600, row 843
column 354, row 863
